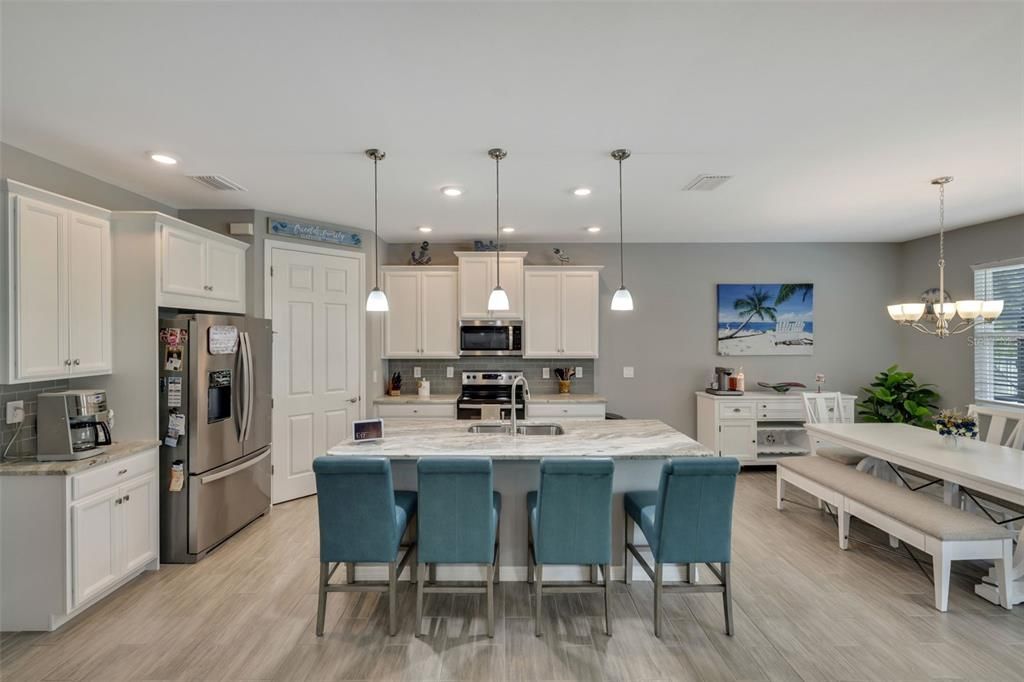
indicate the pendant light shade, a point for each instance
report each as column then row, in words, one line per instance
column 377, row 301
column 622, row 300
column 498, row 300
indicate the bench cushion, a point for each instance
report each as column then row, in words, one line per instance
column 926, row 514
column 844, row 456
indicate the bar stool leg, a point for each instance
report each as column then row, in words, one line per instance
column 392, row 598
column 321, row 606
column 607, row 571
column 490, row 601
column 727, row 598
column 538, row 630
column 630, row 529
column 350, row 572
column 419, row 600
column 433, row 572
column 657, row 599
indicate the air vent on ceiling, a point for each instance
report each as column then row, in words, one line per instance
column 218, row 182
column 706, row 183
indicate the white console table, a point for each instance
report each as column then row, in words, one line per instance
column 758, row 427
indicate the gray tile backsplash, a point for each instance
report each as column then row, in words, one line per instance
column 434, row 371
column 25, row 445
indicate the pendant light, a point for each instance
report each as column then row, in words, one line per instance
column 377, row 301
column 971, row 312
column 622, row 300
column 498, row 300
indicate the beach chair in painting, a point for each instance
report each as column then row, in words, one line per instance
column 789, row 333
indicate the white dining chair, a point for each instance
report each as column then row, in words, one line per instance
column 1005, row 426
column 827, row 408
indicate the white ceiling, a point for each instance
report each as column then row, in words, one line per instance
column 831, row 116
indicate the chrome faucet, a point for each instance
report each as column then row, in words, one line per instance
column 526, row 396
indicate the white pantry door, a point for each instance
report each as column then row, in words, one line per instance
column 317, row 305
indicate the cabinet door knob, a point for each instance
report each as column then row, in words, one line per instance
column 354, row 400
column 127, row 497
column 67, row 363
column 122, row 472
column 117, row 501
column 77, row 362
column 735, row 409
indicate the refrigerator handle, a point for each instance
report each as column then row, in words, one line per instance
column 250, row 387
column 244, row 388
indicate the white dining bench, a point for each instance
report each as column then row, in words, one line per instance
column 946, row 533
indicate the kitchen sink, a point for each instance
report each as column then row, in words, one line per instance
column 521, row 429
column 539, row 429
column 490, row 428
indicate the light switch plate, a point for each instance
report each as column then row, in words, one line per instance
column 450, row 372
column 545, row 373
column 416, row 372
column 375, row 377
column 15, row 411
column 579, row 372
column 627, row 372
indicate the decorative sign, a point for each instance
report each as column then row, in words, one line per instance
column 315, row 233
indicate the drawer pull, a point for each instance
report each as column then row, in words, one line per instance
column 735, row 409
column 122, row 472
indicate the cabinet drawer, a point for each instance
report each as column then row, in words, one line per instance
column 735, row 410
column 109, row 475
column 781, row 410
column 414, row 410
column 571, row 411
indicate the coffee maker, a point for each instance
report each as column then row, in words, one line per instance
column 72, row 425
column 721, row 386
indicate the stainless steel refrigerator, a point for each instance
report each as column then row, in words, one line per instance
column 215, row 402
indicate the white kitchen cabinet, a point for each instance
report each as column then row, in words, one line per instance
column 58, row 306
column 67, row 541
column 423, row 317
column 478, row 275
column 757, row 427
column 416, row 410
column 200, row 269
column 561, row 312
column 564, row 410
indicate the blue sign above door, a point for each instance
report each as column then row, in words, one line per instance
column 315, row 233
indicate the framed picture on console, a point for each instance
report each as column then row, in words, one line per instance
column 766, row 319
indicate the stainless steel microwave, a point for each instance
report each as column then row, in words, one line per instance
column 490, row 337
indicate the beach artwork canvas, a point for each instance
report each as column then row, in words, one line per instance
column 765, row 319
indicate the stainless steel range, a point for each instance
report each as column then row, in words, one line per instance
column 482, row 389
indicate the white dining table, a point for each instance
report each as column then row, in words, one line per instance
column 992, row 469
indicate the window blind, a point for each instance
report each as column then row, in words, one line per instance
column 999, row 347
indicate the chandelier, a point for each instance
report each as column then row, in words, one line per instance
column 941, row 312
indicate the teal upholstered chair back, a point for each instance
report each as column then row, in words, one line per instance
column 574, row 511
column 356, row 502
column 457, row 518
column 693, row 521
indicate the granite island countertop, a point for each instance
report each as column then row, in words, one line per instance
column 619, row 439
column 111, row 453
column 451, row 398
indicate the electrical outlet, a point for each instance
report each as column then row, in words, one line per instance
column 416, row 372
column 15, row 411
column 449, row 372
column 545, row 373
column 579, row 372
column 627, row 372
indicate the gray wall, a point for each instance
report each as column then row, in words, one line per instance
column 950, row 362
column 219, row 221
column 670, row 338
column 23, row 166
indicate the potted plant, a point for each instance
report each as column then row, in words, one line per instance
column 895, row 396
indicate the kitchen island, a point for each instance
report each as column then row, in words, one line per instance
column 638, row 446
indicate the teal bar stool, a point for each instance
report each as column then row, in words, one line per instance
column 362, row 521
column 570, row 523
column 459, row 518
column 687, row 520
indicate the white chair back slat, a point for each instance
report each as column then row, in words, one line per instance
column 998, row 420
column 823, row 408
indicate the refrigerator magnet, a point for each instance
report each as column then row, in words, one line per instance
column 177, row 477
column 223, row 339
column 173, row 391
column 173, row 358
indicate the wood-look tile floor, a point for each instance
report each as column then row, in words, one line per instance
column 804, row 610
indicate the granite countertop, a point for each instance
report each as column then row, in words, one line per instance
column 620, row 439
column 112, row 453
column 414, row 399
column 760, row 394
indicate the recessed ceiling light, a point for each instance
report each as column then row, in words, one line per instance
column 508, row 228
column 425, row 228
column 164, row 158
column 451, row 191
column 594, row 228
column 582, row 191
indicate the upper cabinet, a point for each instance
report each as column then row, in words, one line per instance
column 478, row 275
column 57, row 311
column 200, row 269
column 423, row 312
column 561, row 318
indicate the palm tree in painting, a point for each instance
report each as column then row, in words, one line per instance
column 787, row 291
column 752, row 305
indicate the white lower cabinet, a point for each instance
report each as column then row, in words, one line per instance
column 68, row 540
column 417, row 411
column 564, row 411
